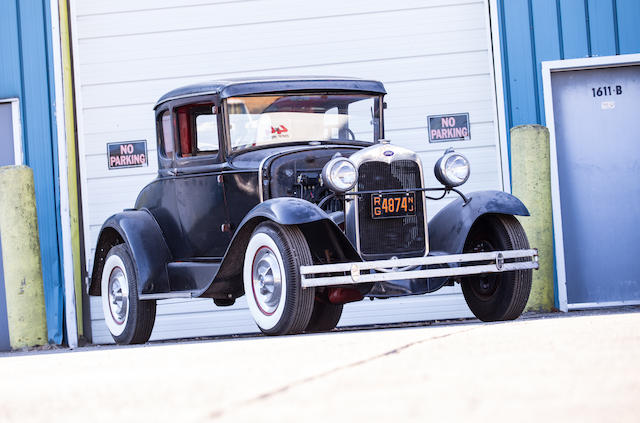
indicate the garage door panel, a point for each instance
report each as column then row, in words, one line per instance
column 143, row 94
column 95, row 145
column 278, row 56
column 87, row 8
column 199, row 317
column 258, row 15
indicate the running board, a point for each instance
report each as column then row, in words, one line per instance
column 167, row 295
column 388, row 270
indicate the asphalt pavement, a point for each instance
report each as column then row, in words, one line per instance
column 582, row 367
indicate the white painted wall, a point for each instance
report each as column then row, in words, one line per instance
column 434, row 57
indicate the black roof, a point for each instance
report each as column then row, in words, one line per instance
column 243, row 86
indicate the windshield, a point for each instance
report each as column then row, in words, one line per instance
column 280, row 119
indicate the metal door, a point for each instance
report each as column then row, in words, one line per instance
column 596, row 114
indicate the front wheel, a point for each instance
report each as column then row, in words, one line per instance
column 272, row 282
column 497, row 296
column 129, row 319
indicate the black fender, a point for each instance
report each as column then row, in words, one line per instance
column 139, row 230
column 320, row 231
column 449, row 228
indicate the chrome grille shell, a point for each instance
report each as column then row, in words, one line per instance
column 387, row 154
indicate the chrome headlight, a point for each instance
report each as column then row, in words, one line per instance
column 339, row 174
column 452, row 169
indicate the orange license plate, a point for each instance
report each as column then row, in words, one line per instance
column 385, row 206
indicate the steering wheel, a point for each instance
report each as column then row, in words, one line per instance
column 350, row 133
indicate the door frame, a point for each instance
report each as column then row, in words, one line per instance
column 18, row 152
column 548, row 68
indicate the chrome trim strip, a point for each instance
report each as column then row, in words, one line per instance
column 352, row 272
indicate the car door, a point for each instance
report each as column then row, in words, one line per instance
column 199, row 185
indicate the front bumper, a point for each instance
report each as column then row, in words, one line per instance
column 389, row 270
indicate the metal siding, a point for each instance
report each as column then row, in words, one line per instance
column 575, row 37
column 628, row 15
column 532, row 31
column 433, row 57
column 521, row 82
column 546, row 41
column 602, row 28
column 26, row 73
column 5, row 343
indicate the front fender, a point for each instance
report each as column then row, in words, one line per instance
column 315, row 223
column 449, row 228
column 139, row 230
column 286, row 211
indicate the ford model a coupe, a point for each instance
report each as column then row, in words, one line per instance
column 285, row 190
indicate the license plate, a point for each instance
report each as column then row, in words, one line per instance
column 384, row 206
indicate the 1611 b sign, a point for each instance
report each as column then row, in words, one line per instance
column 449, row 127
column 127, row 154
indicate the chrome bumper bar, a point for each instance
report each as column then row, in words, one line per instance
column 388, row 270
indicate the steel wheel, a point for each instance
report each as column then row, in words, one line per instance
column 118, row 293
column 128, row 319
column 266, row 280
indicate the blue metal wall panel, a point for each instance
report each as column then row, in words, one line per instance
column 521, row 80
column 574, row 26
column 546, row 36
column 26, row 72
column 5, row 341
column 602, row 28
column 532, row 31
column 628, row 18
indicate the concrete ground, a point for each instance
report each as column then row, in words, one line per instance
column 579, row 367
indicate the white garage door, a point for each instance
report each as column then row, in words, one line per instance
column 434, row 57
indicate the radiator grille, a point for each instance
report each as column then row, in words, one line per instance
column 384, row 238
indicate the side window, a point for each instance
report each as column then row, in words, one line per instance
column 167, row 140
column 207, row 133
column 197, row 130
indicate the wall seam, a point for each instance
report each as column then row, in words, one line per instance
column 534, row 58
column 505, row 69
column 588, row 26
column 560, row 34
column 616, row 33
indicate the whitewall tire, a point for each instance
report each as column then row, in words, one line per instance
column 129, row 320
column 271, row 276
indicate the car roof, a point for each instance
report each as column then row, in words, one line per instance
column 258, row 85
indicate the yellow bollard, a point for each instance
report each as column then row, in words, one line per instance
column 21, row 258
column 531, row 183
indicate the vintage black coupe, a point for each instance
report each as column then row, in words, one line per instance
column 284, row 189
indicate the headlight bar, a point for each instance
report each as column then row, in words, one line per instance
column 405, row 190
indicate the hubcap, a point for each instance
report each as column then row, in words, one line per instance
column 118, row 295
column 266, row 280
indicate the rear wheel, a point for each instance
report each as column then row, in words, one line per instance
column 497, row 296
column 130, row 321
column 325, row 316
column 272, row 281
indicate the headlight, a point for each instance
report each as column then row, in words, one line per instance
column 452, row 169
column 339, row 174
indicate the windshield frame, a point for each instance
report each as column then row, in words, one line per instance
column 380, row 112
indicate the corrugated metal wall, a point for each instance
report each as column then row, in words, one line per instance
column 26, row 73
column 532, row 31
